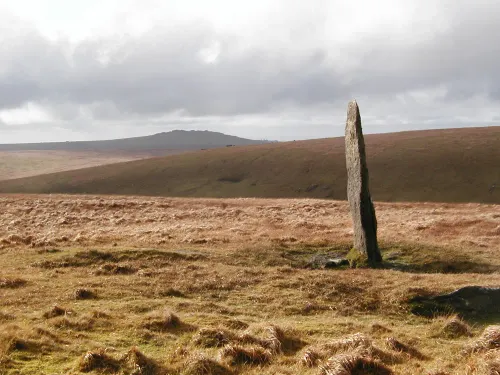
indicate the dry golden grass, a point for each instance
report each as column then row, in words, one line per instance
column 98, row 360
column 201, row 365
column 240, row 355
column 485, row 364
column 11, row 282
column 56, row 311
column 213, row 337
column 489, row 340
column 354, row 364
column 40, row 221
column 452, row 327
column 162, row 321
column 242, row 278
column 140, row 364
column 398, row 346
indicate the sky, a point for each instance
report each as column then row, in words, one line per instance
column 261, row 69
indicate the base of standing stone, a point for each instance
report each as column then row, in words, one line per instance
column 357, row 259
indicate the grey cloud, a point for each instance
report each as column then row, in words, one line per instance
column 161, row 72
column 158, row 76
column 464, row 57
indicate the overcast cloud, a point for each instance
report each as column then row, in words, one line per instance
column 282, row 69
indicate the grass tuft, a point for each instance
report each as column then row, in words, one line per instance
column 351, row 342
column 362, row 345
column 398, row 346
column 235, row 324
column 172, row 292
column 486, row 364
column 11, row 282
column 201, row 365
column 311, row 358
column 6, row 317
column 453, row 327
column 240, row 355
column 165, row 322
column 490, row 339
column 37, row 341
column 139, row 364
column 379, row 328
column 115, row 269
column 84, row 294
column 56, row 311
column 280, row 341
column 213, row 338
column 85, row 323
column 20, row 344
column 98, row 360
column 353, row 364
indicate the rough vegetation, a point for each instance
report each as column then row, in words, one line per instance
column 224, row 287
column 453, row 165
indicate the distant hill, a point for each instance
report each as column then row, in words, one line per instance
column 173, row 140
column 452, row 165
column 32, row 159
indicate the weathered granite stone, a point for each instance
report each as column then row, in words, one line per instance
column 469, row 300
column 358, row 193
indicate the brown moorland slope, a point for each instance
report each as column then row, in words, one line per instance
column 452, row 165
column 185, row 286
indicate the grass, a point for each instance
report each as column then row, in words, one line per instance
column 11, row 282
column 202, row 365
column 19, row 164
column 354, row 364
column 244, row 301
column 454, row 165
column 452, row 327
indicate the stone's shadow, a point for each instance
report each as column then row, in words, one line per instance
column 401, row 257
column 416, row 258
column 438, row 266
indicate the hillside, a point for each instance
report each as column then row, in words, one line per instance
column 33, row 159
column 173, row 140
column 452, row 165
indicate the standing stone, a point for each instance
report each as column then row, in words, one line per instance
column 358, row 193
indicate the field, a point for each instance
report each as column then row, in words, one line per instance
column 454, row 165
column 148, row 285
column 18, row 164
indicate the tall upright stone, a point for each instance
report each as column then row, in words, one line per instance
column 358, row 192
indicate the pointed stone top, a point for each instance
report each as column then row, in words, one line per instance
column 353, row 105
column 353, row 116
